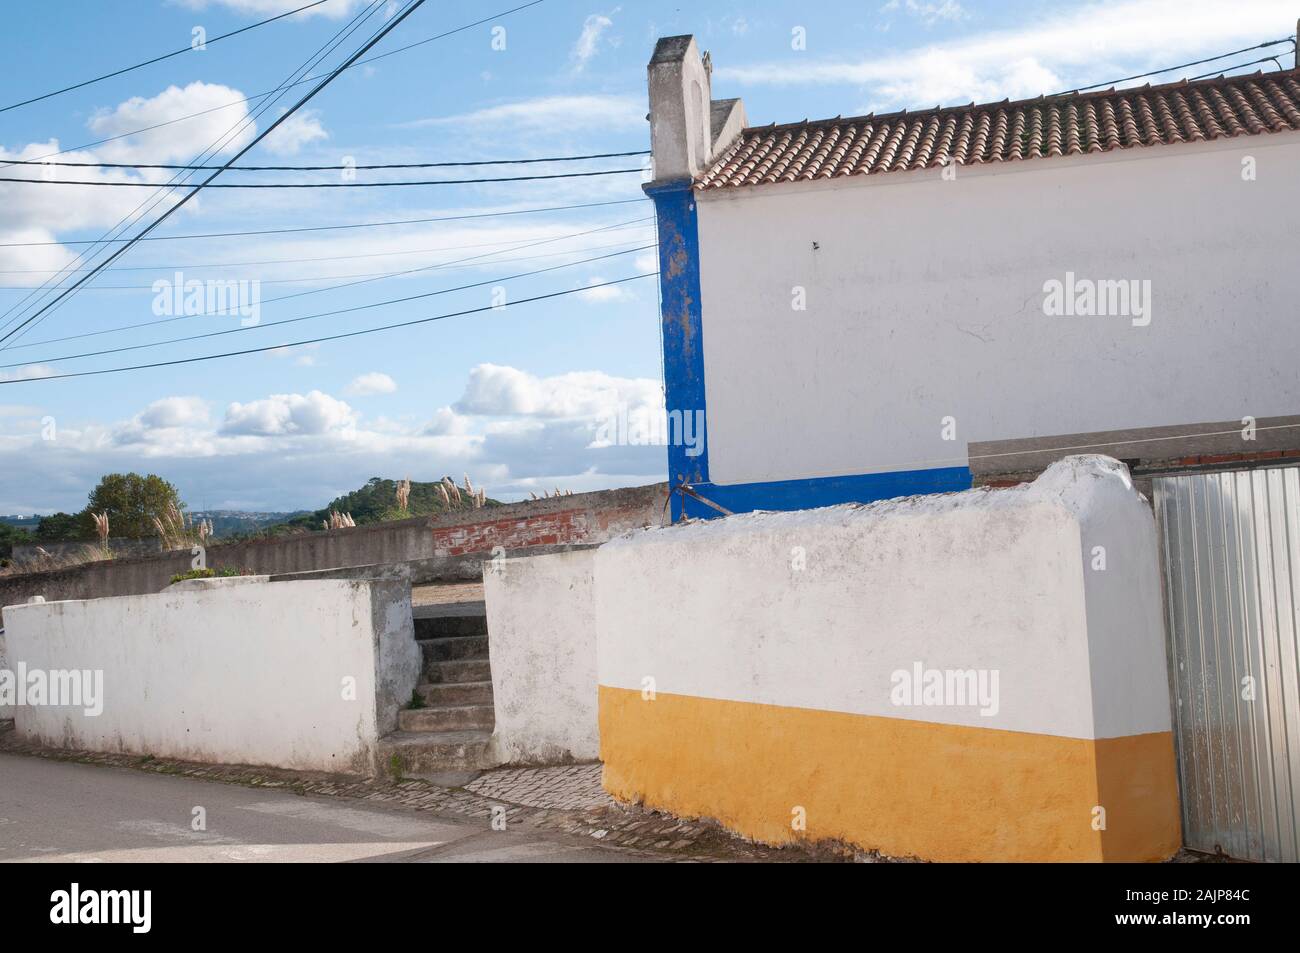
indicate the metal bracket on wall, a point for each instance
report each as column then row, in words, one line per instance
column 685, row 491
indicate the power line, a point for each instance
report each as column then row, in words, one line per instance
column 275, row 261
column 145, row 207
column 334, row 337
column 328, row 185
column 159, row 59
column 326, row 228
column 324, row 314
column 171, row 320
column 458, row 261
column 313, row 278
column 1170, row 69
column 366, row 279
column 307, row 79
column 412, row 6
column 331, row 168
column 1225, row 69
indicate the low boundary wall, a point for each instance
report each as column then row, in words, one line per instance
column 305, row 674
column 542, row 642
column 976, row 676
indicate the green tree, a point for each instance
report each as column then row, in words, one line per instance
column 131, row 502
column 58, row 528
column 10, row 535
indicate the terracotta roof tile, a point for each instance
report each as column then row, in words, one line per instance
column 1073, row 124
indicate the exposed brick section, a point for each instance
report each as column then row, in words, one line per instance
column 547, row 529
column 593, row 523
column 1213, row 459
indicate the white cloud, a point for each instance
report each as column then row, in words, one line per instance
column 1084, row 45
column 495, row 390
column 928, row 12
column 550, row 113
column 175, row 412
column 31, row 216
column 513, row 431
column 217, row 118
column 309, row 414
column 300, row 129
column 603, row 293
column 29, row 373
column 589, row 40
column 375, row 382
column 446, row 422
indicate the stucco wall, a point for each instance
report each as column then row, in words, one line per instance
column 747, row 670
column 542, row 643
column 241, row 671
column 6, row 711
column 924, row 301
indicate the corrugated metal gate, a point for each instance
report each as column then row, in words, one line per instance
column 1232, row 593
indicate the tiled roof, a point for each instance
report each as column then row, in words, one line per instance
column 1072, row 124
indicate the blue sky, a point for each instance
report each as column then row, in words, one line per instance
column 512, row 397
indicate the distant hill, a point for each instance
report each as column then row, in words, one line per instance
column 21, row 522
column 376, row 502
column 237, row 522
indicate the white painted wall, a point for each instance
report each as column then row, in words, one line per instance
column 241, row 671
column 998, row 580
column 6, row 711
column 924, row 300
column 542, row 643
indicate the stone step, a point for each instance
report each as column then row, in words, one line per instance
column 417, row 753
column 446, row 718
column 449, row 626
column 457, row 671
column 459, row 647
column 456, row 693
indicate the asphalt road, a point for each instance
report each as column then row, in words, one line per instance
column 66, row 812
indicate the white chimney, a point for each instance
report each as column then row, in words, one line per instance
column 687, row 128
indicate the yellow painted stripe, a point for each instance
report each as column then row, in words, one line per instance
column 905, row 788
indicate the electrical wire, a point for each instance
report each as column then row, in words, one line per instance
column 277, row 261
column 326, row 185
column 396, row 21
column 148, row 205
column 332, row 168
column 332, row 337
column 307, row 79
column 1170, row 69
column 323, row 314
column 327, row 228
column 159, row 59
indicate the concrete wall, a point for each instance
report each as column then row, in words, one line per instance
column 757, row 670
column 542, row 643
column 6, row 711
column 925, row 301
column 26, row 554
column 241, row 671
column 444, row 547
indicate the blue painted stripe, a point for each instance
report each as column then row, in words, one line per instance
column 821, row 491
column 683, row 328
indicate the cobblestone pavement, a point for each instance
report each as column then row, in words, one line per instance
column 565, row 800
column 572, row 787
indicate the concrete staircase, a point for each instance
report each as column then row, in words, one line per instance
column 450, row 734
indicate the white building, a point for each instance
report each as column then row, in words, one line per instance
column 884, row 305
